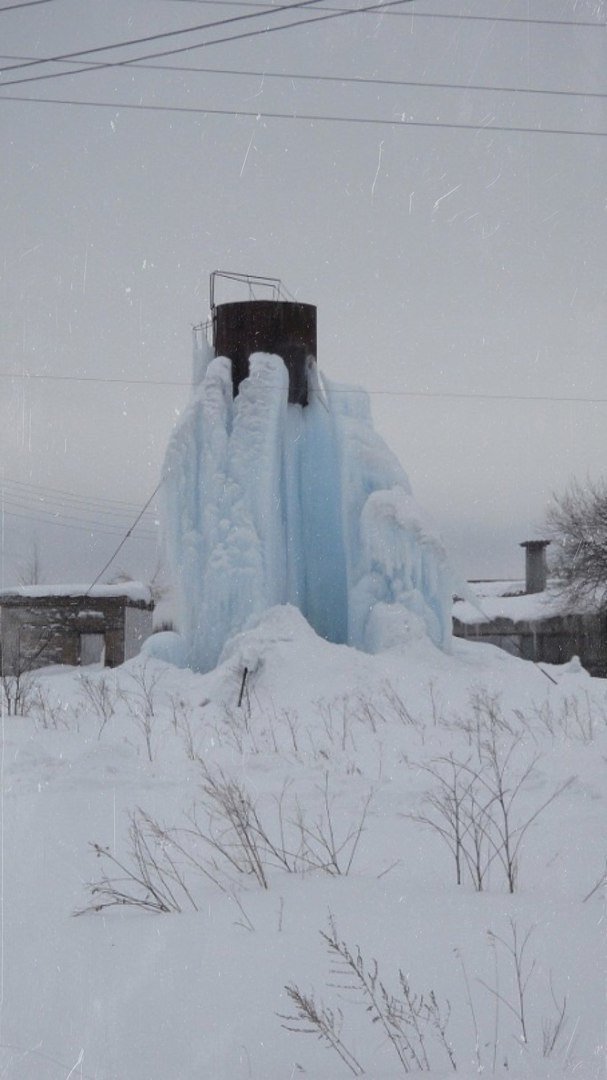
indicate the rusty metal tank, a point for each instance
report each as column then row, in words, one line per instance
column 285, row 328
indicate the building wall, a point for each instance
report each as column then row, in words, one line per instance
column 48, row 630
column 137, row 629
column 553, row 641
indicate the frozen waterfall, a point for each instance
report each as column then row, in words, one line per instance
column 268, row 503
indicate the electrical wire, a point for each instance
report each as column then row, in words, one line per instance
column 91, row 378
column 23, row 503
column 24, row 4
column 309, row 117
column 355, row 80
column 452, row 395
column 92, row 528
column 70, row 495
column 166, row 34
column 204, row 44
column 417, row 14
column 49, row 504
column 126, row 535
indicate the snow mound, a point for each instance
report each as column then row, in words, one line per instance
column 270, row 504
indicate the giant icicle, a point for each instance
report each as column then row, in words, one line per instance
column 268, row 503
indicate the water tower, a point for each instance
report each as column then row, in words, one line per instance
column 283, row 327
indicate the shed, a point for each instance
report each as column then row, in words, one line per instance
column 533, row 619
column 73, row 624
column 537, row 627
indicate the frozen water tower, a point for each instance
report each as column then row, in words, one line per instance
column 283, row 327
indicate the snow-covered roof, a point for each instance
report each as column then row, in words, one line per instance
column 528, row 607
column 135, row 591
column 500, row 587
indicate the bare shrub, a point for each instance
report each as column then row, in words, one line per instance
column 141, row 701
column 234, row 830
column 484, row 718
column 17, row 682
column 448, row 812
column 235, row 728
column 225, row 837
column 244, row 841
column 314, row 1018
column 17, row 691
column 181, row 714
column 397, row 708
column 553, row 1027
column 149, row 878
column 415, row 1025
column 286, row 718
column 411, row 1022
column 101, row 696
column 503, row 784
column 367, row 713
column 320, row 848
column 47, row 712
column 386, row 707
column 573, row 719
column 474, row 804
column 523, row 968
column 336, row 717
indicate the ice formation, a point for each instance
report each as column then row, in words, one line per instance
column 269, row 503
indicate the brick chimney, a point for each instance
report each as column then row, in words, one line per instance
column 536, row 568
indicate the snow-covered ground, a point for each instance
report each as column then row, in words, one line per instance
column 292, row 815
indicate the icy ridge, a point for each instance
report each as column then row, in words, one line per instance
column 268, row 503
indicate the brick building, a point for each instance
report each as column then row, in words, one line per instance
column 69, row 624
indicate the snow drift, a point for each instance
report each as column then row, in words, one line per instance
column 268, row 503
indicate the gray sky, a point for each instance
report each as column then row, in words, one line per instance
column 460, row 275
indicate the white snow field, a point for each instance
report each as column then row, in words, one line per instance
column 324, row 840
column 262, row 826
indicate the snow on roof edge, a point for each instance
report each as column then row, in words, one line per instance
column 526, row 607
column 135, row 591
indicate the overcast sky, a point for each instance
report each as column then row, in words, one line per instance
column 460, row 273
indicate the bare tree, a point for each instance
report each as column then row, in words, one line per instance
column 577, row 523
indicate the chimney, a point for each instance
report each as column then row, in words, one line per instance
column 536, row 569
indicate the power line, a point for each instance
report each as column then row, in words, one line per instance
column 69, row 494
column 126, row 535
column 356, row 80
column 24, row 4
column 24, row 502
column 167, row 34
column 66, row 524
column 307, row 117
column 91, row 378
column 417, row 14
column 50, row 504
column 338, row 390
column 205, row 44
